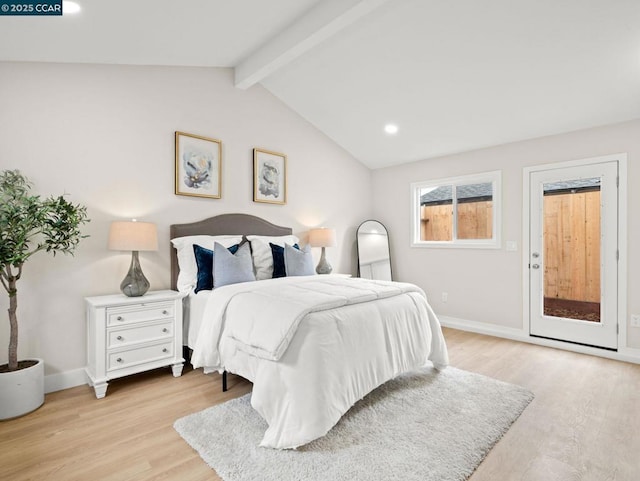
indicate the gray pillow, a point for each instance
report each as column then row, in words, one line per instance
column 298, row 262
column 231, row 268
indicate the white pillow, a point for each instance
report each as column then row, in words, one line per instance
column 188, row 275
column 261, row 252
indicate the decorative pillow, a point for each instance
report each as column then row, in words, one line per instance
column 261, row 252
column 298, row 262
column 187, row 277
column 205, row 259
column 277, row 253
column 231, row 268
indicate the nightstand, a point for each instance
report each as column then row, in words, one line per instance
column 127, row 335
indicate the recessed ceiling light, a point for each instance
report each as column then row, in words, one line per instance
column 391, row 129
column 70, row 7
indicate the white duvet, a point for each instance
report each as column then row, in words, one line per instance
column 313, row 346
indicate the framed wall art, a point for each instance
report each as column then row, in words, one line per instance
column 198, row 166
column 269, row 177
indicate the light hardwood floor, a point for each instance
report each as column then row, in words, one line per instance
column 584, row 423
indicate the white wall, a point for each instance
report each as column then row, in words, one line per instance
column 105, row 135
column 482, row 284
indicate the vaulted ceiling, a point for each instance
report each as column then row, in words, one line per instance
column 453, row 75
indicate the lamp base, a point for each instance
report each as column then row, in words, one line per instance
column 323, row 266
column 135, row 284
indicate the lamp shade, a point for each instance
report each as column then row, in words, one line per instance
column 133, row 236
column 322, row 237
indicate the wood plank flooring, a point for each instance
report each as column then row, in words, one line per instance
column 583, row 425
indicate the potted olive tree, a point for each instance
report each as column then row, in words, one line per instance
column 28, row 224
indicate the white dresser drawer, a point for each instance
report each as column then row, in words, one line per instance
column 139, row 355
column 118, row 316
column 128, row 335
column 134, row 334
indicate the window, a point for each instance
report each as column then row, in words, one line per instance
column 457, row 212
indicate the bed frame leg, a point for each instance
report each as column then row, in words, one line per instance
column 224, row 381
column 186, row 353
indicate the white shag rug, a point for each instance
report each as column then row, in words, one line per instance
column 428, row 426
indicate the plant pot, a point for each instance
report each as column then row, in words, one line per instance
column 21, row 391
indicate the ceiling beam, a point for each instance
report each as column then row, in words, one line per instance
column 323, row 21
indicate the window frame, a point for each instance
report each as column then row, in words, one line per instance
column 493, row 177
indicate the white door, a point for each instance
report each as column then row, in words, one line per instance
column 573, row 267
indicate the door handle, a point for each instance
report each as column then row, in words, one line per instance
column 535, row 266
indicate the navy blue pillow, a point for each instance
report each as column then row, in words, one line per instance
column 204, row 261
column 278, row 260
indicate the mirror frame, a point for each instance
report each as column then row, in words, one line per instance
column 386, row 231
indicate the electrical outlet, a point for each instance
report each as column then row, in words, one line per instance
column 635, row 320
column 445, row 297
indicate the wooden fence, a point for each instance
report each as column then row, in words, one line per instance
column 572, row 239
column 474, row 221
column 572, row 246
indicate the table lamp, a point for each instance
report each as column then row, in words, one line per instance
column 133, row 236
column 322, row 237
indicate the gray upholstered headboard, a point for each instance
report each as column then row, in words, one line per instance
column 225, row 224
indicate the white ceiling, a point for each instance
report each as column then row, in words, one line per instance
column 454, row 75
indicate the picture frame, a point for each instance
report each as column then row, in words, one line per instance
column 269, row 177
column 198, row 170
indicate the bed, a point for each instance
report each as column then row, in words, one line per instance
column 311, row 345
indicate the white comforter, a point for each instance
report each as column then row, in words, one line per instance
column 313, row 346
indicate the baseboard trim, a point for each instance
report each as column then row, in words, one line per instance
column 64, row 380
column 626, row 354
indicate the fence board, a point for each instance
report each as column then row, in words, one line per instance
column 436, row 222
column 475, row 221
column 572, row 246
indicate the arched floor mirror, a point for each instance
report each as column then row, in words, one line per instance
column 374, row 258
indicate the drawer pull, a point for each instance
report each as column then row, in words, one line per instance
column 119, row 318
column 119, row 359
column 119, row 338
column 165, row 330
column 165, row 312
column 165, row 350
